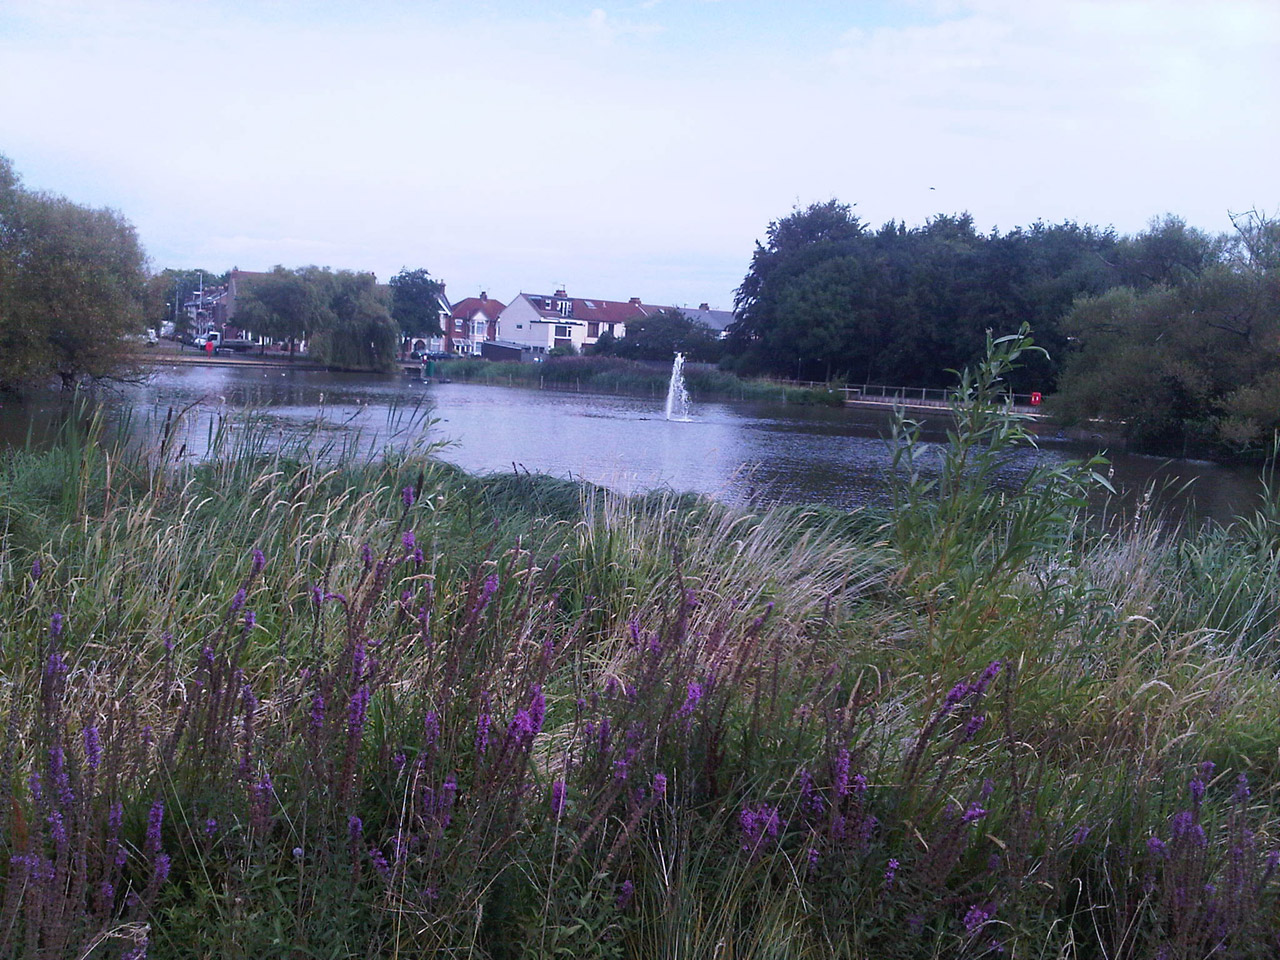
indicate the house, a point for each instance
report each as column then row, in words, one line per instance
column 541, row 322
column 471, row 322
column 421, row 343
column 717, row 320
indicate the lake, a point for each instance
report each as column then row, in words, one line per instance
column 733, row 451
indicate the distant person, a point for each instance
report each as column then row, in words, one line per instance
column 208, row 347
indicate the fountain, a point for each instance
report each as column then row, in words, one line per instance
column 677, row 395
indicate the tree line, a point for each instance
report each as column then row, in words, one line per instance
column 1172, row 333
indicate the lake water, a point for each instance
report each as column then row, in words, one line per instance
column 734, row 451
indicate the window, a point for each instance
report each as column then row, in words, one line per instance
column 562, row 333
column 593, row 328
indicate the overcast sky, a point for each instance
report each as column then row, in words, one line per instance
column 627, row 149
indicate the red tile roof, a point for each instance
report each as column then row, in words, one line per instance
column 590, row 309
column 466, row 309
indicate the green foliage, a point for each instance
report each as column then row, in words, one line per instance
column 284, row 305
column 415, row 303
column 71, row 287
column 1188, row 363
column 660, row 337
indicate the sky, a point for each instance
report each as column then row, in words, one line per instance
column 627, row 149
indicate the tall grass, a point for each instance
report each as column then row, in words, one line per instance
column 280, row 704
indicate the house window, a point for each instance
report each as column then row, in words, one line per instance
column 593, row 328
column 519, row 326
column 457, row 325
column 562, row 333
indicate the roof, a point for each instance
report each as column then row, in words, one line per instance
column 589, row 309
column 466, row 309
column 717, row 320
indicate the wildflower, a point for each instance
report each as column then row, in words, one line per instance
column 355, row 828
column 317, row 594
column 1156, row 847
column 210, row 827
column 482, row 732
column 520, row 729
column 757, row 823
column 692, row 697
column 660, row 785
column 987, row 675
column 162, row 865
column 366, row 555
column 1082, row 832
column 1242, row 788
column 358, row 712
column 408, row 541
column 407, row 496
column 977, row 918
column 238, row 600
column 380, row 863
column 418, row 557
column 537, row 708
column 891, row 871
column 974, row 813
column 155, row 823
column 259, row 561
column 398, row 760
column 297, row 853
column 812, row 856
column 430, row 729
column 57, row 829
column 486, row 594
column 167, row 639
column 36, row 569
column 250, row 618
column 840, row 775
column 557, row 798
column 974, row 724
column 859, row 784
column 625, row 893
column 633, row 627
column 55, row 626
column 316, row 716
column 92, row 747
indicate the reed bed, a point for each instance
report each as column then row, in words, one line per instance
column 279, row 703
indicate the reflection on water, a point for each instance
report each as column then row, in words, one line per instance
column 733, row 451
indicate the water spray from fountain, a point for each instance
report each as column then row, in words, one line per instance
column 677, row 395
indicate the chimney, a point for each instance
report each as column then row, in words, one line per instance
column 704, row 306
column 635, row 300
column 483, row 296
column 561, row 293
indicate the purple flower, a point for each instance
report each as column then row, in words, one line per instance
column 418, row 557
column 57, row 829
column 557, row 798
column 973, row 813
column 316, row 717
column 974, row 724
column 317, row 594
column 358, row 712
column 366, row 555
column 259, row 560
column 380, row 863
column 355, row 828
column 167, row 638
column 486, row 594
column 482, row 732
column 977, row 918
column 757, row 823
column 92, row 747
column 891, row 871
column 155, row 823
column 55, row 626
column 660, row 785
column 250, row 618
column 407, row 496
column 520, row 729
column 1081, row 834
column 955, row 695
column 430, row 729
column 537, row 708
column 840, row 772
column 162, row 867
column 408, row 541
column 238, row 600
column 55, row 668
column 1156, row 847
column 625, row 893
column 1242, row 788
column 693, row 696
column 210, row 827
column 36, row 569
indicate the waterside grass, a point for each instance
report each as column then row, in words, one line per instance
column 615, row 375
column 276, row 705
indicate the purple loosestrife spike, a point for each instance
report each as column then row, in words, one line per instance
column 537, row 708
column 812, row 856
column 355, row 828
column 167, row 638
column 1197, row 790
column 317, row 594
column 1156, row 847
column 238, row 600
column 407, row 496
column 250, row 618
column 859, row 784
column 430, row 729
column 92, row 747
column 55, row 626
column 520, row 729
column 380, row 863
column 482, row 732
column 633, row 627
column 955, row 695
column 358, row 712
column 625, row 893
column 210, row 827
column 57, row 829
column 409, row 541
column 316, row 718
column 366, row 555
column 155, row 824
column 692, row 697
column 259, row 560
column 557, row 798
column 1242, row 788
column 1081, row 834
column 840, row 772
column 418, row 557
column 988, row 788
column 1207, row 768
column 55, row 667
column 660, row 786
column 973, row 725
column 36, row 569
column 162, row 866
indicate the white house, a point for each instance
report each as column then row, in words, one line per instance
column 541, row 323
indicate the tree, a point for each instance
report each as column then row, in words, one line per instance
column 661, row 336
column 357, row 331
column 71, row 287
column 415, row 303
column 284, row 305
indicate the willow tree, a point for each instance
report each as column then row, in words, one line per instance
column 72, row 281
